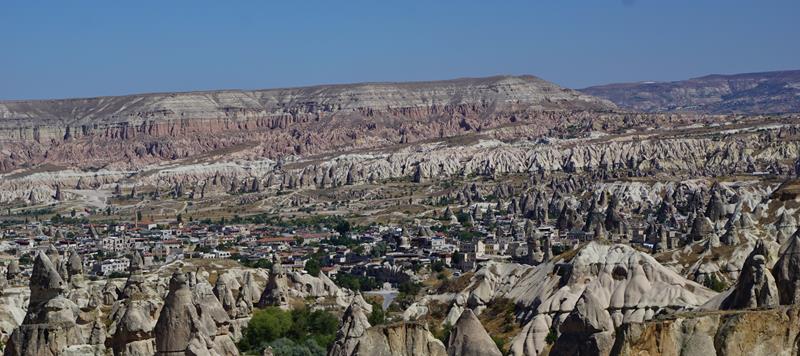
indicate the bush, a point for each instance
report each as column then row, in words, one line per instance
column 551, row 337
column 442, row 333
column 437, row 265
column 356, row 283
column 342, row 227
column 713, row 283
column 500, row 342
column 409, row 288
column 378, row 316
column 289, row 347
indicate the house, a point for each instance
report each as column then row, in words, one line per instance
column 167, row 248
column 114, row 243
column 438, row 243
column 108, row 267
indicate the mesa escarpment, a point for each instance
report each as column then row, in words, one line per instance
column 132, row 130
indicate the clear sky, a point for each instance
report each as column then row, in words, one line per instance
column 82, row 48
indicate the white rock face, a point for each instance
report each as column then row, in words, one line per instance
column 532, row 339
column 469, row 338
column 630, row 285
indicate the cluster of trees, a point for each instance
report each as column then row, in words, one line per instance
column 409, row 288
column 342, row 241
column 260, row 263
column 58, row 219
column 353, row 282
column 296, row 332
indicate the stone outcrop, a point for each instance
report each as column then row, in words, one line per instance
column 51, row 325
column 277, row 291
column 397, row 339
column 787, row 271
column 755, row 287
column 354, row 325
column 632, row 284
column 755, row 333
column 13, row 271
column 74, row 265
column 587, row 330
column 689, row 156
column 532, row 339
column 469, row 338
column 192, row 322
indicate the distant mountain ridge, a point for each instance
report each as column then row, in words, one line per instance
column 747, row 93
column 500, row 91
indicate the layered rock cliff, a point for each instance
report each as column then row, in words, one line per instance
column 133, row 130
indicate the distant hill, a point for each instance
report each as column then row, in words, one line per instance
column 749, row 93
column 496, row 92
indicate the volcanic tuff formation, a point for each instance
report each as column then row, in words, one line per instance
column 712, row 196
column 751, row 93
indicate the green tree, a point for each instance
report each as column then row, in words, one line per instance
column 342, row 227
column 25, row 259
column 266, row 325
column 296, row 332
column 409, row 288
column 313, row 266
column 437, row 265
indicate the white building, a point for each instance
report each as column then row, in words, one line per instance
column 114, row 243
column 113, row 265
column 222, row 254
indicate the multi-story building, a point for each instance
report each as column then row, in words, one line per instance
column 113, row 265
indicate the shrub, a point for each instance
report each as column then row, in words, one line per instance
column 442, row 333
column 378, row 316
column 551, row 337
column 713, row 283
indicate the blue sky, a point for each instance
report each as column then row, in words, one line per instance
column 89, row 48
